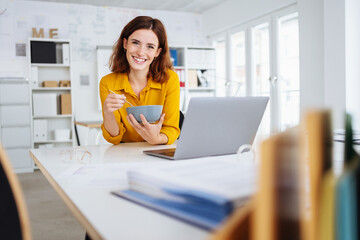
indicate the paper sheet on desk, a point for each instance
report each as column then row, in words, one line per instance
column 101, row 175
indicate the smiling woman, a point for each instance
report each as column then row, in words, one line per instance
column 141, row 75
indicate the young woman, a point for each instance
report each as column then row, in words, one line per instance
column 141, row 74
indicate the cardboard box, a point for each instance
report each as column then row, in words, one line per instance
column 65, row 103
column 44, row 104
column 64, row 83
column 50, row 84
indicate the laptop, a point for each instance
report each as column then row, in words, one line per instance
column 216, row 126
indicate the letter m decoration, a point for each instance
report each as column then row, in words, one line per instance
column 39, row 34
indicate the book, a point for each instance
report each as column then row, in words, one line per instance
column 347, row 190
column 174, row 57
column 276, row 211
column 327, row 206
column 203, row 192
column 316, row 161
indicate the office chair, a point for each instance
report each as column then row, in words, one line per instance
column 14, row 220
column 181, row 120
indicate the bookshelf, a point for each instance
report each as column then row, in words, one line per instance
column 52, row 119
column 195, row 66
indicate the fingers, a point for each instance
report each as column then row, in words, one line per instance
column 133, row 122
column 114, row 102
column 117, row 96
column 143, row 119
column 149, row 132
column 162, row 118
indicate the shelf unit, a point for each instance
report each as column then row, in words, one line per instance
column 51, row 125
column 195, row 66
column 15, row 122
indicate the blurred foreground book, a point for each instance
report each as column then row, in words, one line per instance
column 202, row 191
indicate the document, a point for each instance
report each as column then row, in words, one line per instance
column 200, row 191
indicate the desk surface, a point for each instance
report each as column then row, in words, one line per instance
column 102, row 214
column 89, row 124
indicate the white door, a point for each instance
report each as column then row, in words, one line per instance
column 263, row 60
column 275, row 69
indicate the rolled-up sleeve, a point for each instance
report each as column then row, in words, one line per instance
column 114, row 140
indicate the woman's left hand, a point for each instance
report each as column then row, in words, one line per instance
column 149, row 132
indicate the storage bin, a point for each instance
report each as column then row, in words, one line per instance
column 62, row 134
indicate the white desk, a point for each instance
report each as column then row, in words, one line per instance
column 102, row 214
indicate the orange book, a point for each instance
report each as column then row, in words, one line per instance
column 276, row 210
column 315, row 161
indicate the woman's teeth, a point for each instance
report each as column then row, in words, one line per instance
column 139, row 59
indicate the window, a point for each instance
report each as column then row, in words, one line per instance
column 264, row 61
column 237, row 83
column 289, row 84
column 220, row 52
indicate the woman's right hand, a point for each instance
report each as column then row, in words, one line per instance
column 113, row 102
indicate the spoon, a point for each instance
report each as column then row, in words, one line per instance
column 124, row 99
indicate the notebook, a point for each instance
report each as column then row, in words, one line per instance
column 216, row 126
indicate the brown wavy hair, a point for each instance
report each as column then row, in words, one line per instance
column 158, row 68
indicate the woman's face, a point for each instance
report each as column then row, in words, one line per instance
column 141, row 48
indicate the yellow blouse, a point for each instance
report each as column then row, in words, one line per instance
column 166, row 94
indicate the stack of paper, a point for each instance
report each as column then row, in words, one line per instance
column 202, row 191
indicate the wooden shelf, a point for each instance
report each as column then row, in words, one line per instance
column 51, row 89
column 54, row 141
column 49, row 65
column 54, row 116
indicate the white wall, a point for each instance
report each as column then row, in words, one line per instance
column 352, row 34
column 311, row 43
column 322, row 47
column 234, row 12
column 86, row 26
column 334, row 59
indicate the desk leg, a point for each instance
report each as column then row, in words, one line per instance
column 98, row 135
column 97, row 132
column 86, row 141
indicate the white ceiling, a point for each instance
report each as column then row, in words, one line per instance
column 194, row 6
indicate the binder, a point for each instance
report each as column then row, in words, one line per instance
column 59, row 55
column 43, row 130
column 34, row 76
column 40, row 130
column 66, row 54
column 37, row 131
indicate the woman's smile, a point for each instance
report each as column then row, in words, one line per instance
column 139, row 60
